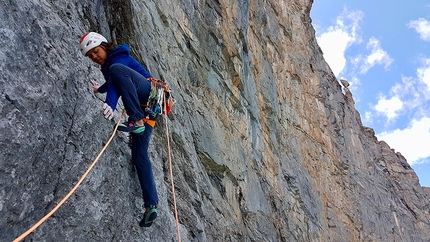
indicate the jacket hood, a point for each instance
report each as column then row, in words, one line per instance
column 120, row 50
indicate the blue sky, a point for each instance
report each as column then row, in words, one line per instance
column 382, row 48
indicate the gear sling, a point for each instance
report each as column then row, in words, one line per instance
column 160, row 101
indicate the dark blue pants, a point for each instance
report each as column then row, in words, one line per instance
column 134, row 89
column 139, row 151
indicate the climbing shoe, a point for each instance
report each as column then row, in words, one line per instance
column 149, row 217
column 131, row 127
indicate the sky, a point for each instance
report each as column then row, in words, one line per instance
column 382, row 48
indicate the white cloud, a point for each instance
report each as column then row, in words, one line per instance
column 412, row 91
column 368, row 118
column 377, row 56
column 334, row 44
column 338, row 38
column 411, row 142
column 411, row 96
column 406, row 97
column 422, row 26
column 423, row 73
column 389, row 107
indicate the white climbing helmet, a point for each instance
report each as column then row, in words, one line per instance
column 90, row 40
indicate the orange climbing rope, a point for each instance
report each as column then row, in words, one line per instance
column 171, row 174
column 74, row 188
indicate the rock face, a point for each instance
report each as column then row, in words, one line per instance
column 265, row 145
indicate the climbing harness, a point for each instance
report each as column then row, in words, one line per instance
column 74, row 188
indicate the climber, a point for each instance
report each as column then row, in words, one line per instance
column 126, row 77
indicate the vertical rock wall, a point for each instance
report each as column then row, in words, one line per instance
column 265, row 146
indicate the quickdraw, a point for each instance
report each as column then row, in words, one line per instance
column 160, row 93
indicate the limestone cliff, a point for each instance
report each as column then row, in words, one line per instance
column 265, row 145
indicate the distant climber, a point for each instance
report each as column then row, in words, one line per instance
column 127, row 78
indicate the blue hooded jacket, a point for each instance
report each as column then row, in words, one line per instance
column 121, row 54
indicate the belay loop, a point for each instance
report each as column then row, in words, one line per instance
column 160, row 93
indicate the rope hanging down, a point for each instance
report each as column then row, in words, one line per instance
column 74, row 188
column 171, row 172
